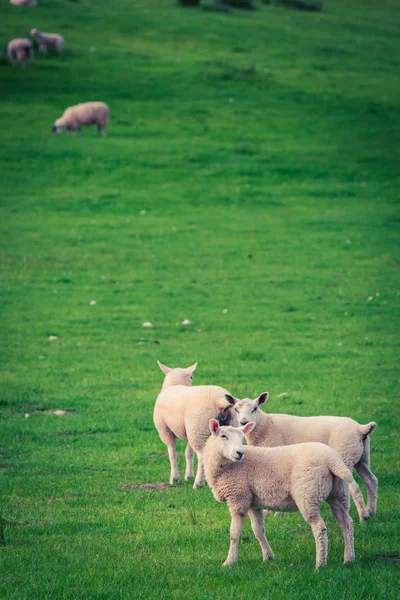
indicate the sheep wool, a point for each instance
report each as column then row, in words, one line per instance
column 24, row 2
column 47, row 40
column 20, row 51
column 85, row 114
column 346, row 436
column 183, row 412
column 287, row 478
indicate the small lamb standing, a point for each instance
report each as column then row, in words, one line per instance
column 85, row 114
column 47, row 40
column 287, row 479
column 183, row 412
column 347, row 437
column 20, row 51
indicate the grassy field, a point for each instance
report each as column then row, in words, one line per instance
column 252, row 165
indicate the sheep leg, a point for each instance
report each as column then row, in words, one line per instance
column 358, row 501
column 321, row 538
column 169, row 440
column 340, row 510
column 257, row 524
column 371, row 483
column 174, row 463
column 189, row 454
column 101, row 130
column 200, row 477
column 237, row 523
column 43, row 49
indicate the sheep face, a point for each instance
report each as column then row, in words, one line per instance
column 56, row 129
column 230, row 439
column 247, row 410
column 34, row 32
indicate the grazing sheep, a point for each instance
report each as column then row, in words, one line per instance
column 344, row 435
column 47, row 40
column 24, row 2
column 287, row 478
column 183, row 412
column 88, row 113
column 20, row 51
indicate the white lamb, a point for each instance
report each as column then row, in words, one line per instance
column 287, row 478
column 184, row 412
column 344, row 435
column 85, row 114
column 20, row 51
column 23, row 2
column 47, row 40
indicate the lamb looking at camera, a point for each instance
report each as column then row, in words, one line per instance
column 47, row 40
column 20, row 51
column 347, row 437
column 85, row 114
column 287, row 479
column 184, row 412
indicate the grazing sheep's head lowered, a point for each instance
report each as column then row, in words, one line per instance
column 230, row 439
column 176, row 376
column 247, row 410
column 57, row 127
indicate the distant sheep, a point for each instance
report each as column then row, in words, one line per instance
column 20, row 51
column 183, row 412
column 23, row 2
column 344, row 435
column 88, row 113
column 47, row 40
column 287, row 478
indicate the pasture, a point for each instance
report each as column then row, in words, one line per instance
column 250, row 183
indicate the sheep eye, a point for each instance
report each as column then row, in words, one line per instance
column 224, row 437
column 236, row 410
column 254, row 409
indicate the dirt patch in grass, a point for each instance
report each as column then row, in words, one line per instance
column 145, row 486
column 390, row 558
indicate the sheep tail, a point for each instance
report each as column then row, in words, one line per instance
column 338, row 468
column 366, row 430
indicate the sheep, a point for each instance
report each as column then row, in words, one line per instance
column 288, row 478
column 183, row 412
column 88, row 113
column 20, row 51
column 24, row 2
column 347, row 437
column 46, row 40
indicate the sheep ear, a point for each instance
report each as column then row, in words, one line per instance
column 231, row 399
column 164, row 368
column 262, row 398
column 190, row 370
column 214, row 426
column 248, row 428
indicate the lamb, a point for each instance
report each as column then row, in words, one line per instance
column 347, row 437
column 24, row 2
column 288, row 478
column 46, row 40
column 183, row 412
column 88, row 113
column 20, row 51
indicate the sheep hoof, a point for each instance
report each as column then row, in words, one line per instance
column 228, row 563
column 198, row 484
column 173, row 480
column 269, row 557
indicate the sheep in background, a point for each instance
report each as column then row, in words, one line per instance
column 24, row 2
column 184, row 412
column 47, row 40
column 287, row 478
column 86, row 114
column 20, row 51
column 346, row 436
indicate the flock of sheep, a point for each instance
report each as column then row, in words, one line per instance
column 20, row 51
column 290, row 464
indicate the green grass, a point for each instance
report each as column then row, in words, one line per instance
column 263, row 148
